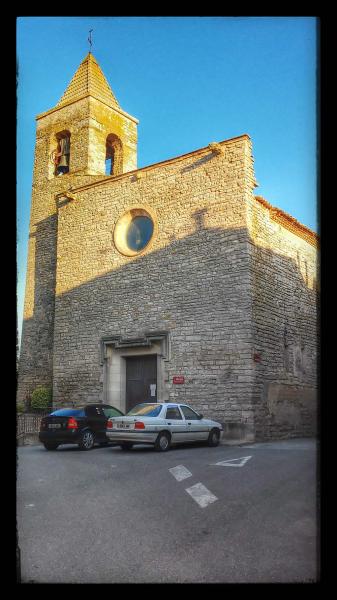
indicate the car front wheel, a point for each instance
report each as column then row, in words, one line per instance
column 162, row 442
column 87, row 441
column 214, row 437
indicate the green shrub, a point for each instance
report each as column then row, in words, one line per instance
column 20, row 407
column 41, row 398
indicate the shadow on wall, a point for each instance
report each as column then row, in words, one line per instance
column 285, row 347
column 36, row 354
column 203, row 289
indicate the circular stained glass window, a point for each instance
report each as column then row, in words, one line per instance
column 139, row 233
column 133, row 231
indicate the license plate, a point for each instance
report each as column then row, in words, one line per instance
column 125, row 426
column 54, row 425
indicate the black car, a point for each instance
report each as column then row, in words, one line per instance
column 84, row 426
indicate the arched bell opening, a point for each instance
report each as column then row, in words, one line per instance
column 61, row 155
column 113, row 155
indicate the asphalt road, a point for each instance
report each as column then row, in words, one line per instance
column 108, row 516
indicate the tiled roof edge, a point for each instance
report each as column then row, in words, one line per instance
column 289, row 222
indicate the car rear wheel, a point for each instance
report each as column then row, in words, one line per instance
column 214, row 437
column 87, row 441
column 126, row 446
column 50, row 446
column 162, row 442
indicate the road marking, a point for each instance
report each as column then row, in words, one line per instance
column 232, row 462
column 201, row 495
column 29, row 505
column 180, row 472
column 283, row 445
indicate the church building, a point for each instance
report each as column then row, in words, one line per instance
column 173, row 282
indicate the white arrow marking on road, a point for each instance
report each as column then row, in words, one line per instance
column 180, row 472
column 232, row 462
column 201, row 494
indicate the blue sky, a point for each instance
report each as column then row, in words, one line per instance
column 189, row 81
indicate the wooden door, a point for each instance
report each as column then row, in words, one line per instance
column 141, row 380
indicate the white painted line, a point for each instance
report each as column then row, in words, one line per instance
column 201, row 495
column 180, row 472
column 29, row 505
column 233, row 462
column 283, row 445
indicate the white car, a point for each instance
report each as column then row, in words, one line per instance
column 162, row 424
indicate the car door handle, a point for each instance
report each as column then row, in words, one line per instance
column 189, row 423
column 169, row 423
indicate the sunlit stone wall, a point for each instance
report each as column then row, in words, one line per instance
column 229, row 281
column 193, row 280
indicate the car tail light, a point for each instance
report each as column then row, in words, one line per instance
column 139, row 425
column 110, row 425
column 72, row 423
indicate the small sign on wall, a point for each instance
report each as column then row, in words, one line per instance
column 179, row 379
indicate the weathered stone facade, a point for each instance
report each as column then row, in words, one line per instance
column 224, row 294
column 284, row 278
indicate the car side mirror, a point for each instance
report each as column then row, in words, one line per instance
column 201, row 416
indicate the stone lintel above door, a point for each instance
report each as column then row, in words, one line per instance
column 146, row 341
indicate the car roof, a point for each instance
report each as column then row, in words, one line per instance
column 99, row 405
column 80, row 407
column 83, row 406
column 170, row 404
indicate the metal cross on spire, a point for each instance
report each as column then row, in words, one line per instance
column 89, row 39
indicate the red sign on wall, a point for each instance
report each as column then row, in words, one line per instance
column 179, row 379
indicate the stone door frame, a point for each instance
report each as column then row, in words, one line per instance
column 114, row 351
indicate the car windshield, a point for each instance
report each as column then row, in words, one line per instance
column 148, row 410
column 68, row 412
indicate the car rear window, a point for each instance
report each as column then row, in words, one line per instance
column 110, row 411
column 68, row 412
column 94, row 411
column 148, row 410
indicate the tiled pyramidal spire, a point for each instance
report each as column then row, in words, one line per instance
column 89, row 81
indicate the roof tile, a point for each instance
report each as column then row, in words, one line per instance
column 89, row 80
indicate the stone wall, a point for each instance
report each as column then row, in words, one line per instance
column 36, row 352
column 284, row 284
column 230, row 284
column 193, row 281
column 103, row 122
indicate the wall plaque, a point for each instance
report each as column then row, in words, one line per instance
column 179, row 379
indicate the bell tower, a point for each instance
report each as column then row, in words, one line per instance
column 97, row 130
column 85, row 137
